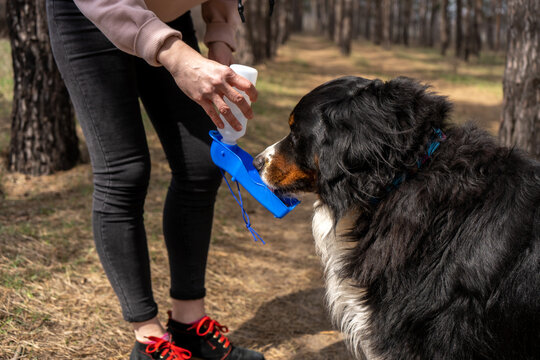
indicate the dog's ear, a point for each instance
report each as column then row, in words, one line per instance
column 374, row 131
column 414, row 105
column 355, row 156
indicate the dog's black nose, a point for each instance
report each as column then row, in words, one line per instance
column 258, row 162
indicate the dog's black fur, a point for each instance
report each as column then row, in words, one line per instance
column 450, row 257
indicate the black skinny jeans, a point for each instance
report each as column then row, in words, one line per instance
column 105, row 85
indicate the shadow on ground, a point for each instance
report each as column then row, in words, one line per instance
column 298, row 316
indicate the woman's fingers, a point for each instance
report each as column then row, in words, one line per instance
column 236, row 98
column 241, row 83
column 225, row 110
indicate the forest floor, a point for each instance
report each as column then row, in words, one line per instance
column 55, row 301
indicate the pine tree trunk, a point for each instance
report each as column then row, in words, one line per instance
column 472, row 29
column 520, row 125
column 367, row 32
column 392, row 19
column 479, row 23
column 445, row 27
column 498, row 13
column 424, row 22
column 377, row 39
column 459, row 28
column 386, row 23
column 432, row 22
column 338, row 21
column 331, row 7
column 43, row 137
column 489, row 18
column 3, row 24
column 297, row 16
column 407, row 21
column 244, row 53
column 467, row 31
column 398, row 38
column 261, row 35
column 347, row 27
column 356, row 20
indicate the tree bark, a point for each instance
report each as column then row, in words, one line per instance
column 472, row 29
column 297, row 16
column 445, row 27
column 478, row 23
column 378, row 23
column 459, row 28
column 520, row 125
column 386, row 23
column 356, row 20
column 432, row 22
column 489, row 19
column 3, row 23
column 331, row 11
column 367, row 32
column 43, row 137
column 423, row 22
column 338, row 21
column 498, row 13
column 406, row 21
column 398, row 34
column 261, row 35
column 347, row 27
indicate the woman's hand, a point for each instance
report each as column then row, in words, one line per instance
column 207, row 81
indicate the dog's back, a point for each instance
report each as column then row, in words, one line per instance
column 456, row 272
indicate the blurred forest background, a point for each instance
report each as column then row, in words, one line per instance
column 55, row 301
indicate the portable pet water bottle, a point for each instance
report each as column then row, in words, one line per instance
column 229, row 134
column 239, row 164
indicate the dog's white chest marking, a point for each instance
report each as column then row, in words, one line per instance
column 347, row 311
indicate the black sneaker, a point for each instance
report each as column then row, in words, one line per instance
column 158, row 349
column 206, row 341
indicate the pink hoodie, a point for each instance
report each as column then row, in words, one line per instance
column 138, row 26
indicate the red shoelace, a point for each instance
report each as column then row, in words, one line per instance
column 167, row 349
column 212, row 327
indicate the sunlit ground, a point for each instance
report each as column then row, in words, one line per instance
column 55, row 301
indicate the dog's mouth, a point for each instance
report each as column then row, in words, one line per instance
column 281, row 193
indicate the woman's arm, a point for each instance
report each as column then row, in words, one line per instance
column 129, row 25
column 222, row 19
column 136, row 30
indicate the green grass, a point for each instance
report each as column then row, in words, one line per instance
column 6, row 78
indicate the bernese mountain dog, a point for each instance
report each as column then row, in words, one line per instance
column 429, row 233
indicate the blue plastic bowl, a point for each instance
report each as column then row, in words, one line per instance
column 239, row 164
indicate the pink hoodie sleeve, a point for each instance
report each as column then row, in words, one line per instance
column 222, row 19
column 131, row 27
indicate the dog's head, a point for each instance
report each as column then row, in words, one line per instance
column 350, row 138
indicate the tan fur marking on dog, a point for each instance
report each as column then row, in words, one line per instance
column 281, row 172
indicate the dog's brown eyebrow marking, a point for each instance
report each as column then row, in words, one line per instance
column 291, row 119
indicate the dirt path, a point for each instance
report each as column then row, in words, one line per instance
column 55, row 301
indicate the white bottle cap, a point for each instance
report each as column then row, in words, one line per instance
column 246, row 71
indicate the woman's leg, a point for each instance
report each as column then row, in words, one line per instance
column 183, row 128
column 101, row 82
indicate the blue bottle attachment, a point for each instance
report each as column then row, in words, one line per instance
column 234, row 160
